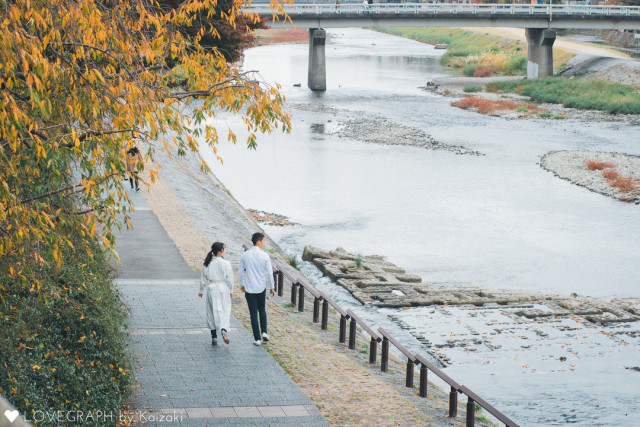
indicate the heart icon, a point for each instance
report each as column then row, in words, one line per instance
column 11, row 415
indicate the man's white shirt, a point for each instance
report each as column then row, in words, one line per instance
column 258, row 266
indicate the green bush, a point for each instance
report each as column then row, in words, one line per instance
column 522, row 110
column 471, row 89
column 585, row 95
column 517, row 64
column 293, row 262
column 62, row 348
column 469, row 69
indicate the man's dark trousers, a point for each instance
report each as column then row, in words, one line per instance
column 256, row 307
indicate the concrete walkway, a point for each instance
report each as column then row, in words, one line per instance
column 179, row 376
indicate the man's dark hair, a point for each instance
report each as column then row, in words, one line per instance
column 256, row 238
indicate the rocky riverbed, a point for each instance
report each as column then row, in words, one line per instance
column 573, row 167
column 270, row 218
column 378, row 130
column 374, row 281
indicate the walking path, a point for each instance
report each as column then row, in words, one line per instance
column 180, row 376
column 177, row 368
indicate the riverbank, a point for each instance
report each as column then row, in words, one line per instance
column 195, row 210
column 281, row 35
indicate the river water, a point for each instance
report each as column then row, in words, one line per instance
column 497, row 220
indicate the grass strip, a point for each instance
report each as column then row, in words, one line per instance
column 612, row 98
column 476, row 54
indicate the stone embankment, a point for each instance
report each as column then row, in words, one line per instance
column 383, row 284
column 573, row 167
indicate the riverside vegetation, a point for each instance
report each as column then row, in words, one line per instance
column 483, row 55
column 62, row 347
column 475, row 54
column 81, row 83
column 612, row 98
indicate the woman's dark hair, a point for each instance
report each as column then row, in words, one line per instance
column 133, row 150
column 216, row 248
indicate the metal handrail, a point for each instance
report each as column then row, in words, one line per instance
column 480, row 401
column 425, row 366
column 451, row 9
column 412, row 359
column 333, row 304
column 366, row 327
column 446, row 378
column 397, row 345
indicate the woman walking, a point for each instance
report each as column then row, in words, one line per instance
column 217, row 277
column 133, row 158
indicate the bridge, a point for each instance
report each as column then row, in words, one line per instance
column 539, row 21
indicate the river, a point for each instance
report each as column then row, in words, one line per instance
column 497, row 220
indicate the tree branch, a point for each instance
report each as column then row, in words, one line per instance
column 88, row 46
column 61, row 190
column 225, row 84
column 91, row 132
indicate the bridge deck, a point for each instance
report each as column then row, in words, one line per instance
column 456, row 15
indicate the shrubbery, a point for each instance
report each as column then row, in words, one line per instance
column 585, row 95
column 62, row 344
column 472, row 89
column 476, row 54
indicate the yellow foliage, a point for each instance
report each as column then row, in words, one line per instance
column 78, row 81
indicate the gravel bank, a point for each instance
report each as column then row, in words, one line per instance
column 379, row 130
column 571, row 166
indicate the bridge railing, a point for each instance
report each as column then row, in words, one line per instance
column 451, row 9
column 299, row 284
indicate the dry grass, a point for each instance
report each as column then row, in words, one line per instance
column 282, row 35
column 487, row 106
column 610, row 175
column 594, row 165
column 626, row 184
column 483, row 72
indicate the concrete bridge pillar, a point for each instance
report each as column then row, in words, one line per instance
column 540, row 58
column 317, row 79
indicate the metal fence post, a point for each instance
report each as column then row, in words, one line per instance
column 471, row 412
column 294, row 294
column 325, row 315
column 316, row 310
column 453, row 402
column 343, row 329
column 384, row 363
column 280, row 283
column 301, row 298
column 410, row 369
column 423, row 380
column 373, row 349
column 352, row 334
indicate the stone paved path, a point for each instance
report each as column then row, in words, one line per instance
column 180, row 377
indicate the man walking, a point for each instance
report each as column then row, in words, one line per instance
column 254, row 266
